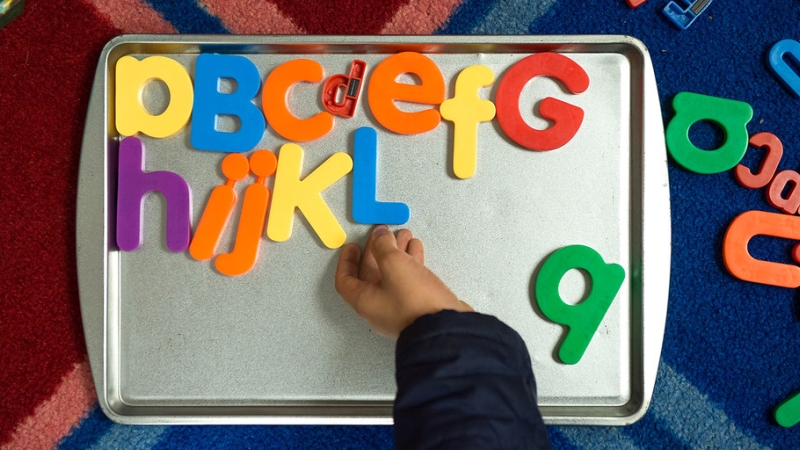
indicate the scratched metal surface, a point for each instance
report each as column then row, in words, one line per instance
column 173, row 341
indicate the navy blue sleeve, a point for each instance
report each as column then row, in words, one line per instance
column 464, row 381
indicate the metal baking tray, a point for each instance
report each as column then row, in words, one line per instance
column 172, row 341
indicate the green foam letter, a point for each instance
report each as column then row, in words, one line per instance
column 731, row 115
column 583, row 319
column 788, row 413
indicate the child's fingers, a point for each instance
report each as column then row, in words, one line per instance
column 404, row 236
column 346, row 281
column 416, row 250
column 369, row 267
column 383, row 247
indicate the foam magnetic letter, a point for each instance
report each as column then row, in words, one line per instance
column 366, row 209
column 787, row 414
column 251, row 222
column 791, row 203
column 778, row 55
column 133, row 184
column 466, row 110
column 583, row 319
column 743, row 266
column 130, row 113
column 568, row 118
column 289, row 192
column 732, row 115
column 384, row 90
column 211, row 103
column 774, row 149
column 276, row 95
column 218, row 209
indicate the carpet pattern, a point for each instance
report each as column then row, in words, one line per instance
column 730, row 352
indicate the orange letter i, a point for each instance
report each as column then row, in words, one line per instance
column 254, row 215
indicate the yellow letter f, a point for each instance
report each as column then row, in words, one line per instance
column 466, row 110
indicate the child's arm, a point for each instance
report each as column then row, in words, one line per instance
column 464, row 380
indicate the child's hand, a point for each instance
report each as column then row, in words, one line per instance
column 389, row 286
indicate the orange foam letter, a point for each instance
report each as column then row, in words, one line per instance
column 743, row 266
column 384, row 90
column 251, row 222
column 275, row 96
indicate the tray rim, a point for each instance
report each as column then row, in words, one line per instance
column 93, row 277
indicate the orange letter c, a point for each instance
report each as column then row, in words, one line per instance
column 273, row 101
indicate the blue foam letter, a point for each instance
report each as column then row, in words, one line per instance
column 209, row 102
column 366, row 209
column 786, row 48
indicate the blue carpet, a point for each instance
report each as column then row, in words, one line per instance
column 188, row 17
column 736, row 342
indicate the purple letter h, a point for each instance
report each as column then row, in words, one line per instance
column 133, row 184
